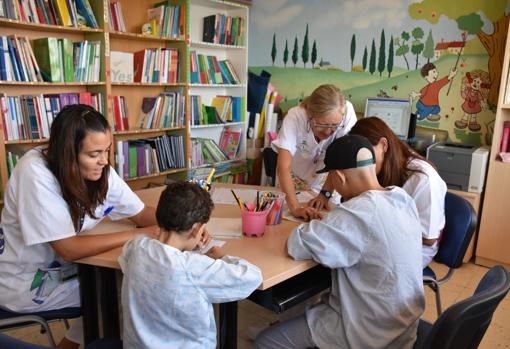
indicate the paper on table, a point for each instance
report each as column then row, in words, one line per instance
column 288, row 216
column 305, row 196
column 212, row 243
column 224, row 195
column 225, row 228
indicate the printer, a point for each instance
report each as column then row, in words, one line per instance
column 461, row 166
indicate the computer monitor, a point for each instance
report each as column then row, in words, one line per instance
column 396, row 113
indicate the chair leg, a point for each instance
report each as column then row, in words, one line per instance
column 66, row 323
column 438, row 302
column 46, row 328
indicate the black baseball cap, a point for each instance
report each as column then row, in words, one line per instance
column 347, row 152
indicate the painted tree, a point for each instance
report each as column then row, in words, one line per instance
column 382, row 54
column 314, row 53
column 295, row 52
column 371, row 65
column 402, row 46
column 286, row 54
column 304, row 50
column 417, row 45
column 428, row 51
column 353, row 49
column 273, row 50
column 389, row 67
column 364, row 61
column 468, row 19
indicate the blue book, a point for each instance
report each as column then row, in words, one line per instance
column 83, row 7
column 33, row 124
column 15, row 63
column 3, row 70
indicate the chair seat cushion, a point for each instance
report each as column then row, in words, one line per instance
column 428, row 272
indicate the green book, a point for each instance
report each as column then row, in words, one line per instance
column 132, row 161
column 47, row 54
column 67, row 55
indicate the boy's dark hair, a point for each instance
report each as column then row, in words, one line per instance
column 181, row 205
column 426, row 68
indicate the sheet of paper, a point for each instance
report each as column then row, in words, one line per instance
column 288, row 216
column 212, row 243
column 225, row 228
column 305, row 196
column 224, row 196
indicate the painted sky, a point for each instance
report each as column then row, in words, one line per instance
column 332, row 23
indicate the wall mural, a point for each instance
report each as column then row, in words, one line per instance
column 444, row 55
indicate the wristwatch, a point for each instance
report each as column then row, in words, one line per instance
column 326, row 193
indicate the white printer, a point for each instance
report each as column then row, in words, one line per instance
column 462, row 166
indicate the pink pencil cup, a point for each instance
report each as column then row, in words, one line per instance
column 254, row 223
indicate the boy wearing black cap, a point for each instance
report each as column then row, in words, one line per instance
column 371, row 243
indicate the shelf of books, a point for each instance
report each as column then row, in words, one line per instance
column 218, row 89
column 140, row 63
column 493, row 237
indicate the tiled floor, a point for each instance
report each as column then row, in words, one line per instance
column 462, row 285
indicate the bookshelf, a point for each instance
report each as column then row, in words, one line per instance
column 238, row 55
column 493, row 237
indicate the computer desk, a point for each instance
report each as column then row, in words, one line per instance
column 97, row 273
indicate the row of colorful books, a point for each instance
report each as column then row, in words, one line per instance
column 120, row 114
column 116, row 17
column 157, row 65
column 17, row 60
column 209, row 70
column 230, row 172
column 169, row 21
column 69, row 13
column 31, row 116
column 222, row 109
column 136, row 158
column 221, row 29
column 205, row 151
column 163, row 111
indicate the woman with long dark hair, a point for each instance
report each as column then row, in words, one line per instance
column 399, row 165
column 54, row 193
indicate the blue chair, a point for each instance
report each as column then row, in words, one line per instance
column 457, row 233
column 11, row 320
column 7, row 342
column 463, row 325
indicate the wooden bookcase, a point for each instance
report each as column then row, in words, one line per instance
column 494, row 234
column 135, row 15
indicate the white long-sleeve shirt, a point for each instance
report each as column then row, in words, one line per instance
column 372, row 243
column 167, row 294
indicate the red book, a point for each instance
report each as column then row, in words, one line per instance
column 114, row 17
column 85, row 98
column 116, row 114
column 124, row 116
column 138, row 65
column 505, row 137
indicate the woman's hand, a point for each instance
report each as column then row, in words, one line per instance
column 307, row 213
column 320, row 202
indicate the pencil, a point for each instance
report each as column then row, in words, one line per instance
column 237, row 199
column 209, row 178
column 258, row 201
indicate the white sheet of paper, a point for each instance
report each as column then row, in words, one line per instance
column 305, row 196
column 225, row 228
column 212, row 243
column 288, row 216
column 224, row 196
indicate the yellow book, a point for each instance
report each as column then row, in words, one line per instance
column 63, row 12
column 222, row 105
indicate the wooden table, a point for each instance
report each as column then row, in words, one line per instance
column 97, row 273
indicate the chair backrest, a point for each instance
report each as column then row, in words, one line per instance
column 463, row 325
column 458, row 230
column 270, row 159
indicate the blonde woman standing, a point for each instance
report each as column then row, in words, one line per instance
column 306, row 132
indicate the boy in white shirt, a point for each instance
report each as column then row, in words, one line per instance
column 372, row 243
column 168, row 290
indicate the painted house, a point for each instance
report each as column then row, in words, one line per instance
column 451, row 47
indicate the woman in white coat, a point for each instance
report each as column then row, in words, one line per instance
column 54, row 193
column 306, row 132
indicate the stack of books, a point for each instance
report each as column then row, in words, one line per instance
column 70, row 13
column 223, row 109
column 230, row 172
column 229, row 142
column 30, row 117
column 120, row 114
column 157, row 65
column 116, row 17
column 62, row 60
column 205, row 151
column 163, row 111
column 221, row 29
column 17, row 60
column 169, row 21
column 210, row 70
column 143, row 157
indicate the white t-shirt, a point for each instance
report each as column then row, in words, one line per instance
column 428, row 191
column 308, row 155
column 34, row 214
column 370, row 242
column 167, row 294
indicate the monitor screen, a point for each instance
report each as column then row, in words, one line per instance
column 396, row 113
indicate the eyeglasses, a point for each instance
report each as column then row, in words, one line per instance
column 333, row 127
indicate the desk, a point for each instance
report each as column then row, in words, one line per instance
column 97, row 273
